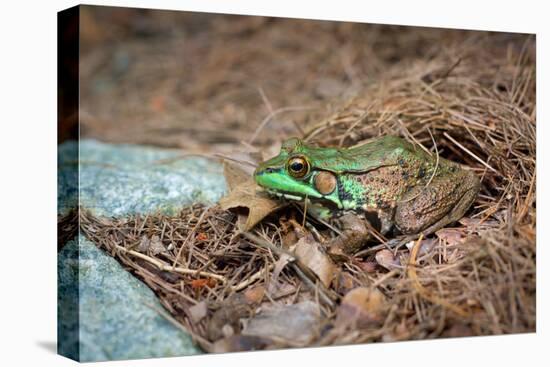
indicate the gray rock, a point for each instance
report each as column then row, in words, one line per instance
column 104, row 312
column 117, row 179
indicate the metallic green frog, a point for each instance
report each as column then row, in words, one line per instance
column 388, row 181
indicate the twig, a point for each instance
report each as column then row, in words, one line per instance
column 385, row 277
column 470, row 153
column 423, row 291
column 164, row 267
column 245, row 283
column 265, row 99
column 523, row 210
column 273, row 114
column 191, row 233
column 301, row 270
column 263, row 243
column 241, row 161
column 436, row 157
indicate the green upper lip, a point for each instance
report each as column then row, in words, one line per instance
column 280, row 182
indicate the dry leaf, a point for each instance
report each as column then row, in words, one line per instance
column 367, row 266
column 362, row 307
column 240, row 343
column 452, row 236
column 236, row 307
column 230, row 313
column 270, row 151
column 234, row 175
column 284, row 259
column 296, row 324
column 254, row 295
column 402, row 332
column 144, row 244
column 289, row 239
column 283, row 290
column 151, row 245
column 425, row 246
column 458, row 330
column 386, row 259
column 344, row 283
column 198, row 312
column 156, row 246
column 243, row 195
column 228, row 330
column 310, row 253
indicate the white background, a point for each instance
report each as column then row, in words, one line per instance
column 28, row 182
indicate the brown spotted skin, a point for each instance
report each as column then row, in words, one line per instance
column 384, row 186
column 406, row 195
column 426, row 209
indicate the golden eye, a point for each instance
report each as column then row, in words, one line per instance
column 298, row 167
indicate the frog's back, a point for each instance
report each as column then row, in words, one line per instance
column 384, row 151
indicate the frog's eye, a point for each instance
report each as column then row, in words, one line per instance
column 298, row 167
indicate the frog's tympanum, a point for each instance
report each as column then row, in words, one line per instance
column 388, row 181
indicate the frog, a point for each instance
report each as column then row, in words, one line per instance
column 387, row 183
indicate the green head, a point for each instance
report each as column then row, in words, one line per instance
column 296, row 173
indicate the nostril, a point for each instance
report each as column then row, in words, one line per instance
column 269, row 170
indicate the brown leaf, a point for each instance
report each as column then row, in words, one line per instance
column 344, row 283
column 243, row 195
column 310, row 253
column 367, row 266
column 151, row 245
column 234, row 175
column 254, row 295
column 283, row 290
column 425, row 246
column 284, row 259
column 399, row 332
column 289, row 239
column 156, row 245
column 240, row 343
column 386, row 259
column 198, row 312
column 362, row 307
column 296, row 324
column 226, row 320
column 227, row 317
column 458, row 330
column 144, row 244
column 452, row 236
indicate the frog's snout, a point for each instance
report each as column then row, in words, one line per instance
column 266, row 176
column 259, row 171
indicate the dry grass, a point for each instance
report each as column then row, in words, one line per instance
column 475, row 98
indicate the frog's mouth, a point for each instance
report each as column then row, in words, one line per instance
column 277, row 183
column 284, row 195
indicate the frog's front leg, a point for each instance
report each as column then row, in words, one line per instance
column 426, row 209
column 355, row 234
